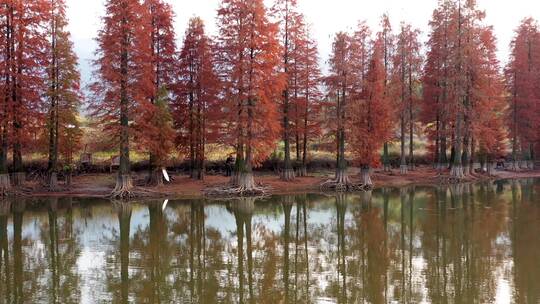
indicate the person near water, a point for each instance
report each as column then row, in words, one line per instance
column 229, row 165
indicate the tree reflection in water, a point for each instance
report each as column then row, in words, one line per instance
column 448, row 244
column 5, row 275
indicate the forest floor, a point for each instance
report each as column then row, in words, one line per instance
column 100, row 185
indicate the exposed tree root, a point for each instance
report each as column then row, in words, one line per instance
column 51, row 183
column 302, row 171
column 342, row 183
column 514, row 166
column 19, row 178
column 457, row 172
column 287, row 175
column 5, row 184
column 466, row 170
column 244, row 186
column 403, row 169
column 124, row 188
column 155, row 178
column 235, row 191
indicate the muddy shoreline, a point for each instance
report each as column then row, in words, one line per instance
column 182, row 187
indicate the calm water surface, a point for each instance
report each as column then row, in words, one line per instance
column 460, row 244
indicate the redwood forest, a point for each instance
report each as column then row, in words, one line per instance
column 252, row 107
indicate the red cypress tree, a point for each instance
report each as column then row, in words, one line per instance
column 290, row 24
column 123, row 73
column 156, row 132
column 250, row 56
column 196, row 108
column 387, row 39
column 371, row 124
column 24, row 45
column 453, row 75
column 489, row 119
column 305, row 82
column 522, row 73
column 341, row 89
column 63, row 95
column 407, row 64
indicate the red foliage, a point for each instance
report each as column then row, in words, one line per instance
column 522, row 74
column 123, row 73
column 196, row 107
column 462, row 85
column 371, row 123
column 249, row 60
column 155, row 124
column 306, row 79
column 23, row 71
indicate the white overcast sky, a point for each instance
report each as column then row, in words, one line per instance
column 325, row 16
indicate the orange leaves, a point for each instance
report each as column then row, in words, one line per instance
column 371, row 123
column 248, row 62
column 122, row 66
column 522, row 73
column 196, row 107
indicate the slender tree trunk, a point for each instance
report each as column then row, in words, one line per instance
column 515, row 159
column 365, row 172
column 472, row 156
column 341, row 166
column 303, row 169
column 123, row 183
column 288, row 171
column 191, row 130
column 5, row 183
column 532, row 157
column 437, row 158
column 411, row 124
column 52, row 169
column 403, row 160
column 465, row 153
column 19, row 176
column 386, row 158
column 457, row 167
column 442, row 153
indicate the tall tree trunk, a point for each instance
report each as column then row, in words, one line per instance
column 18, row 171
column 303, row 169
column 5, row 183
column 123, row 182
column 288, row 171
column 515, row 159
column 472, row 156
column 443, row 152
column 342, row 178
column 437, row 158
column 457, row 167
column 411, row 124
column 386, row 158
column 52, row 168
column 403, row 160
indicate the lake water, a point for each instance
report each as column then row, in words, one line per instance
column 459, row 244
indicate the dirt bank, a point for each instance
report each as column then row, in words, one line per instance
column 99, row 185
